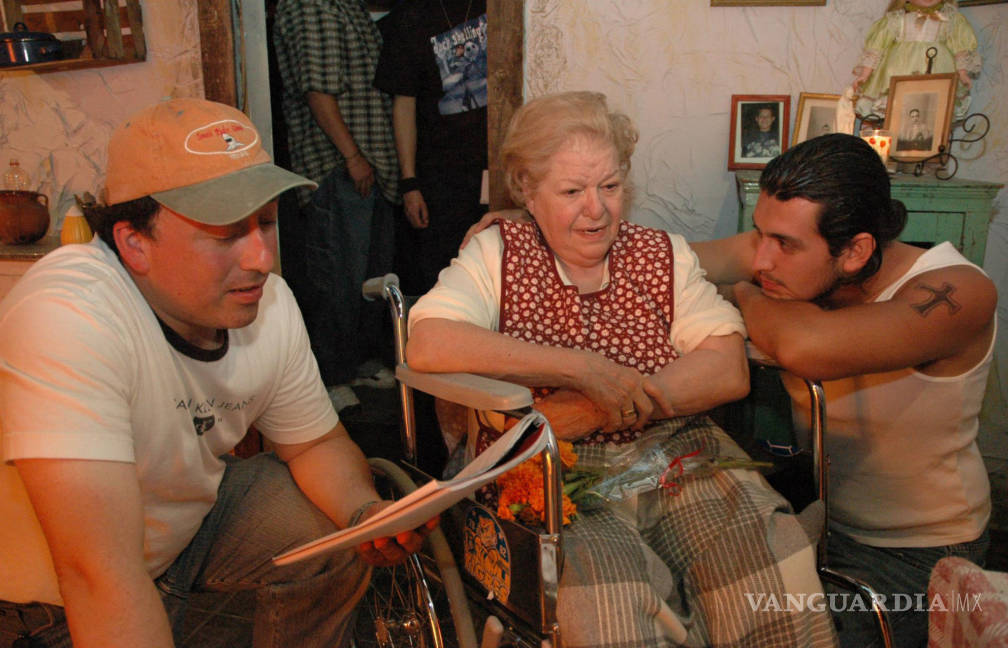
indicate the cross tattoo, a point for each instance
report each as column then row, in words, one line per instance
column 938, row 297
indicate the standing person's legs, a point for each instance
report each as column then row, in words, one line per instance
column 452, row 196
column 901, row 576
column 260, row 513
column 338, row 240
column 374, row 329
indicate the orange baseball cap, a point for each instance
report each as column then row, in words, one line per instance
column 199, row 158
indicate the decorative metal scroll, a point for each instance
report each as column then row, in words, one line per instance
column 974, row 127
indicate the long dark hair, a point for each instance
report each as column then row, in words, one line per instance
column 846, row 177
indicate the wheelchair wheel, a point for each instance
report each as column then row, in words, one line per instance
column 420, row 603
column 397, row 610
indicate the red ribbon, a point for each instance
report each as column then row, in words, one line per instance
column 669, row 484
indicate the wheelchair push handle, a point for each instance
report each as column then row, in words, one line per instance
column 375, row 287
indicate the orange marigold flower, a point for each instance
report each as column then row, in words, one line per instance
column 521, row 489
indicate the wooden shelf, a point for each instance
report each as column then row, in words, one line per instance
column 66, row 65
column 114, row 34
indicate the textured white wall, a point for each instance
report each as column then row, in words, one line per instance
column 58, row 124
column 672, row 65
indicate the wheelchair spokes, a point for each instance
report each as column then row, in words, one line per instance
column 398, row 611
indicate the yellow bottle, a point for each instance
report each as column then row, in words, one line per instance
column 75, row 228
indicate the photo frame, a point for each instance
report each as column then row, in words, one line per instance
column 919, row 114
column 973, row 3
column 816, row 115
column 759, row 129
column 767, row 3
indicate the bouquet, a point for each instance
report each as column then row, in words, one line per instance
column 520, row 490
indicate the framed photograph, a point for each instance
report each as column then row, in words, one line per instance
column 973, row 3
column 759, row 129
column 919, row 114
column 816, row 116
column 770, row 3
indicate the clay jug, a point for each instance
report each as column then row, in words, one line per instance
column 75, row 227
column 24, row 216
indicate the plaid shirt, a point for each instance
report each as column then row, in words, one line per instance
column 332, row 46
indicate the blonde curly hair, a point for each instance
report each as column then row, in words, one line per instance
column 544, row 125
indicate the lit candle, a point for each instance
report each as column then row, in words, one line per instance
column 880, row 140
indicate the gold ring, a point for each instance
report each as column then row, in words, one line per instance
column 629, row 413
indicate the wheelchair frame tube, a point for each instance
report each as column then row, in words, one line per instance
column 821, row 466
column 550, row 547
column 397, row 308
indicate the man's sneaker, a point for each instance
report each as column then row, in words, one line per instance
column 342, row 397
column 382, row 378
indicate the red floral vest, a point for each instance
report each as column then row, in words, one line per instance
column 628, row 321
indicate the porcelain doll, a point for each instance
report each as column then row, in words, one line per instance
column 897, row 44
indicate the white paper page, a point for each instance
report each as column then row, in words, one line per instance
column 415, row 509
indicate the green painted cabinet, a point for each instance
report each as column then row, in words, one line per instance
column 953, row 210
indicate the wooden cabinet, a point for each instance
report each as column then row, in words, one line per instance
column 16, row 259
column 955, row 210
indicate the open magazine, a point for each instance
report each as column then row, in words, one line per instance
column 523, row 441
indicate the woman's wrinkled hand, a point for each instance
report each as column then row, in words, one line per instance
column 571, row 414
column 392, row 550
column 617, row 391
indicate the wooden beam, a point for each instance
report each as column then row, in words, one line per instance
column 217, row 47
column 113, row 32
column 136, row 28
column 505, row 55
column 94, row 27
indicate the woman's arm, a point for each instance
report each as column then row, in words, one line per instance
column 442, row 345
column 715, row 372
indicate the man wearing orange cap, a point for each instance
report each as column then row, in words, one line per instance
column 130, row 367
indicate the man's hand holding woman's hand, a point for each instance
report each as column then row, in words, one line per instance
column 392, row 550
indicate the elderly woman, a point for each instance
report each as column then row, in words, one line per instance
column 617, row 325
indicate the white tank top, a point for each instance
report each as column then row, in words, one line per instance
column 905, row 468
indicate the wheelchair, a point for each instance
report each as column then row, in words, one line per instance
column 510, row 573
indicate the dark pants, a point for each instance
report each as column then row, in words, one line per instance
column 452, row 197
column 890, row 571
column 348, row 238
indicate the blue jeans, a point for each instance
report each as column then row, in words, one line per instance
column 348, row 238
column 259, row 513
column 891, row 571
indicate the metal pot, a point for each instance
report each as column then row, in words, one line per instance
column 24, row 216
column 21, row 47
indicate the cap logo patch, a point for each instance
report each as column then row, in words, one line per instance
column 225, row 137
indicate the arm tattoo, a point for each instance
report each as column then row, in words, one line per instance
column 937, row 298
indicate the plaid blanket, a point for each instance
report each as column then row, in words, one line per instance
column 697, row 568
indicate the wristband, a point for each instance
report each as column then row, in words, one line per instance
column 359, row 513
column 407, row 185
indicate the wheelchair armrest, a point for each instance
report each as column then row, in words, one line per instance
column 470, row 390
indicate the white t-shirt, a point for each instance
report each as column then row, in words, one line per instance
column 86, row 372
column 469, row 290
